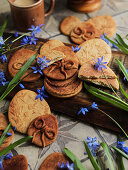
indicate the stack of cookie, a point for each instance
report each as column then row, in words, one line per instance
column 61, row 78
column 79, row 31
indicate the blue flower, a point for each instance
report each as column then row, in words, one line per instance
column 92, row 144
column 8, row 156
column 107, row 41
column 9, row 134
column 1, row 41
column 41, row 94
column 21, row 85
column 94, row 106
column 67, row 166
column 121, row 147
column 82, row 110
column 14, row 128
column 32, row 40
column 37, row 69
column 76, row 49
column 43, row 62
column 25, row 40
column 3, row 58
column 16, row 34
column 1, row 162
column 125, row 77
column 35, row 29
column 3, row 81
column 100, row 64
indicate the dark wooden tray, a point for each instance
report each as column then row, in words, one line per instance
column 72, row 105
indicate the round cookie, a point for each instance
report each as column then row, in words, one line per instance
column 104, row 24
column 92, row 49
column 18, row 162
column 47, row 48
column 24, row 108
column 16, row 62
column 68, row 24
column 44, row 130
column 66, row 91
column 51, row 162
column 3, row 124
column 65, row 68
column 83, row 32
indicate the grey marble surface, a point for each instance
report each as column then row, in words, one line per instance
column 71, row 132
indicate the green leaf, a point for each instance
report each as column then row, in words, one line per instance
column 106, row 150
column 122, row 90
column 74, row 158
column 122, row 69
column 4, row 134
column 120, row 152
column 14, row 82
column 106, row 97
column 121, row 41
column 119, row 46
column 93, row 161
column 3, row 26
column 75, row 165
column 12, row 146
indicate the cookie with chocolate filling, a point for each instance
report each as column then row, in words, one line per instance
column 65, row 68
column 18, row 162
column 83, row 32
column 51, row 162
column 17, row 61
column 68, row 24
column 44, row 130
column 63, row 89
column 24, row 108
column 3, row 124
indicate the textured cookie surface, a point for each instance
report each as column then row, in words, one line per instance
column 24, row 108
column 68, row 24
column 3, row 124
column 44, row 130
column 51, row 162
column 92, row 49
column 18, row 162
column 104, row 24
column 17, row 61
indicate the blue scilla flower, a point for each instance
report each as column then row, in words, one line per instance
column 76, row 49
column 41, row 94
column 9, row 134
column 100, row 64
column 1, row 41
column 21, row 85
column 3, row 58
column 121, row 147
column 1, row 162
column 8, row 156
column 94, row 106
column 25, row 40
column 103, row 38
column 43, row 62
column 16, row 34
column 125, row 77
column 37, row 69
column 82, row 110
column 3, row 81
column 35, row 29
column 32, row 40
column 66, row 166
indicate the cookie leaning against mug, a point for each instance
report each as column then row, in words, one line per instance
column 16, row 62
column 24, row 108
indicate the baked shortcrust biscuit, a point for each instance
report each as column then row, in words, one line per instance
column 24, row 108
column 68, row 24
column 93, row 49
column 16, row 62
column 3, row 124
column 44, row 130
column 51, row 162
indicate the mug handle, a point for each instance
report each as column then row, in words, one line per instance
column 50, row 9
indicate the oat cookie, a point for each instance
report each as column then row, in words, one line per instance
column 24, row 108
column 68, row 24
column 92, row 49
column 17, row 61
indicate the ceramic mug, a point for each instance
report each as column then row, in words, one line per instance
column 33, row 14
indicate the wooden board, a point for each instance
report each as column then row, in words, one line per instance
column 72, row 105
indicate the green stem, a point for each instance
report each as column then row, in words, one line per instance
column 20, row 37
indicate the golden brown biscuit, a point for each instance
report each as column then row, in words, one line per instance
column 68, row 24
column 47, row 49
column 18, row 162
column 92, row 49
column 24, row 108
column 3, row 124
column 104, row 24
column 87, row 71
column 44, row 130
column 51, row 162
column 16, row 62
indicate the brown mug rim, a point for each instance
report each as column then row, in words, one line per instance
column 25, row 6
